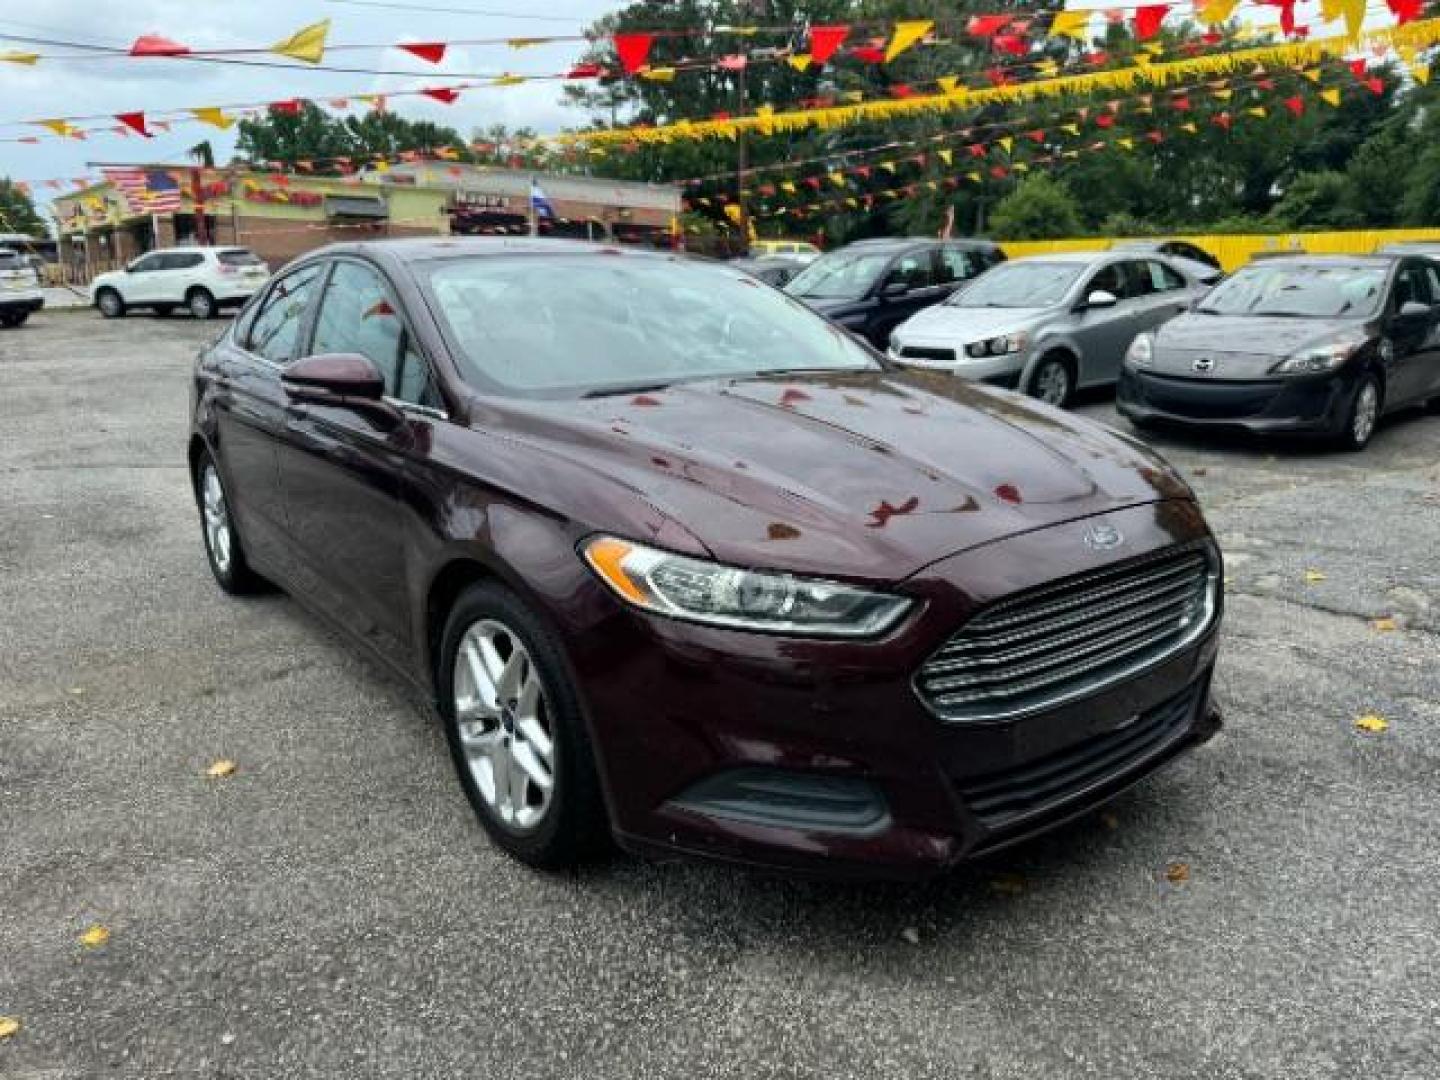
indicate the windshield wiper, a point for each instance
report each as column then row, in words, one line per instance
column 633, row 388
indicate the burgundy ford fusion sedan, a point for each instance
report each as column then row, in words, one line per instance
column 681, row 563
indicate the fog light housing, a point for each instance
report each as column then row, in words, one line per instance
column 781, row 799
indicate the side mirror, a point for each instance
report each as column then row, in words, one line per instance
column 894, row 288
column 1413, row 309
column 341, row 380
column 1101, row 299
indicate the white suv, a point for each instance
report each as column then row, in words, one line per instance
column 19, row 289
column 203, row 279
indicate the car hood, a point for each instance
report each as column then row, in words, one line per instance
column 829, row 305
column 867, row 476
column 961, row 325
column 1240, row 347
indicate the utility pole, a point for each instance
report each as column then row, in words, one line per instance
column 741, row 161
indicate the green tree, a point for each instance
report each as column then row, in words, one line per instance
column 17, row 210
column 316, row 136
column 1317, row 201
column 1041, row 208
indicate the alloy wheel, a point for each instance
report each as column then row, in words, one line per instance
column 1052, row 383
column 1367, row 412
column 110, row 304
column 202, row 305
column 504, row 726
column 217, row 519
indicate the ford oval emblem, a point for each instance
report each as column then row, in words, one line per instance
column 1102, row 537
column 1204, row 364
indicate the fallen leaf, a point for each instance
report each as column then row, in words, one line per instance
column 96, row 936
column 1372, row 723
column 1314, row 577
column 8, row 1026
column 221, row 769
column 1384, row 625
column 76, row 690
column 1008, row 884
column 1110, row 821
column 1199, row 472
column 911, row 935
column 1177, row 873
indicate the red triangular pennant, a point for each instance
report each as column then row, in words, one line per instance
column 633, row 50
column 155, row 45
column 1295, row 104
column 825, row 40
column 432, row 52
column 135, row 121
column 443, row 94
column 1148, row 20
column 987, row 25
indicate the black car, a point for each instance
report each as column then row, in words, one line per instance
column 1180, row 249
column 872, row 286
column 1429, row 248
column 1309, row 344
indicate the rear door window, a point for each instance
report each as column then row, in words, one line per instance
column 1412, row 286
column 914, row 271
column 187, row 261
column 275, row 333
column 957, row 264
column 1164, row 278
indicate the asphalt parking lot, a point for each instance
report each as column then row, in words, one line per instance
column 1266, row 908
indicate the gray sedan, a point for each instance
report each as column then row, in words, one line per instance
column 1049, row 324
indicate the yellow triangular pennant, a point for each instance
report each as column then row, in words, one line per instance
column 307, row 44
column 800, row 61
column 1073, row 129
column 1331, row 97
column 947, row 156
column 660, row 74
column 1354, row 12
column 1125, row 144
column 29, row 59
column 1006, row 142
column 838, row 179
column 908, row 32
column 1313, row 74
column 63, row 128
column 214, row 117
column 1258, row 110
column 1217, row 12
column 1071, row 24
column 1421, row 72
column 947, row 83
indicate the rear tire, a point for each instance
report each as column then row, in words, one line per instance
column 222, row 540
column 13, row 319
column 1363, row 416
column 1052, row 382
column 201, row 304
column 110, row 304
column 505, row 721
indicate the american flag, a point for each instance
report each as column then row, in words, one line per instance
column 147, row 191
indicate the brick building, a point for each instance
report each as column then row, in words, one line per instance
column 282, row 216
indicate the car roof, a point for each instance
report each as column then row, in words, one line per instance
column 1081, row 257
column 1380, row 259
column 897, row 243
column 423, row 248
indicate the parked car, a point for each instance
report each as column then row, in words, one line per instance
column 20, row 295
column 1428, row 248
column 1180, row 249
column 771, row 269
column 1315, row 344
column 1048, row 324
column 680, row 561
column 203, row 280
column 872, row 286
column 800, row 250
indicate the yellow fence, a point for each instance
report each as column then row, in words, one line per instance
column 1235, row 251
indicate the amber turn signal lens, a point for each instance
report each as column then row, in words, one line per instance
column 607, row 556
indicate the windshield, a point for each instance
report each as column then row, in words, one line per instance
column 840, row 275
column 1019, row 285
column 1300, row 291
column 592, row 323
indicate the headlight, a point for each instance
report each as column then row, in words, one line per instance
column 1316, row 359
column 706, row 592
column 998, row 346
column 1142, row 351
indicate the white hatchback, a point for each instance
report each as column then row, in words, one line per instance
column 201, row 279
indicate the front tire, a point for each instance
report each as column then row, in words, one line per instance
column 202, row 304
column 1363, row 415
column 516, row 732
column 222, row 542
column 110, row 304
column 13, row 319
column 1051, row 382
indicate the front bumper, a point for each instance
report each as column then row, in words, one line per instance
column 26, row 302
column 1316, row 404
column 995, row 370
column 820, row 757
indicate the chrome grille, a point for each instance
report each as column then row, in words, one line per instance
column 1072, row 638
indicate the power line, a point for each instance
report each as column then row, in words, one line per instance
column 390, row 5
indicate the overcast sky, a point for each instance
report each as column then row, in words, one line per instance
column 56, row 88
